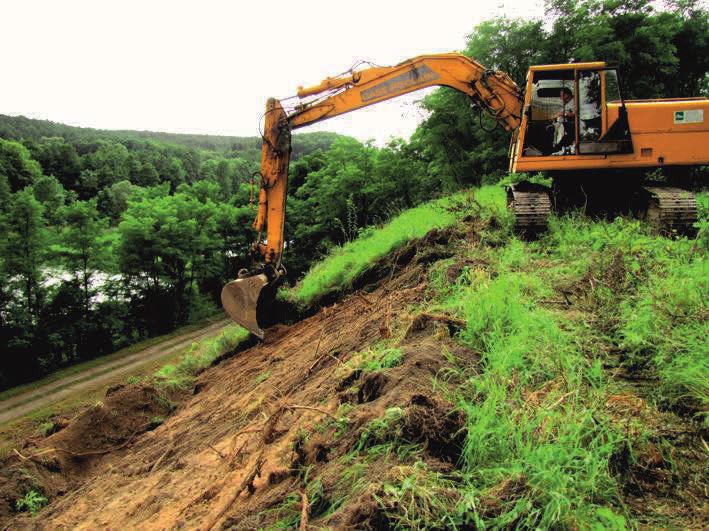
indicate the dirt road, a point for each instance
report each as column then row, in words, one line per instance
column 24, row 403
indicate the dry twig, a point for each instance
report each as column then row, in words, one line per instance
column 270, row 427
column 247, row 483
column 313, row 409
column 20, row 455
column 304, row 511
column 162, row 457
column 317, row 349
column 213, row 449
column 563, row 397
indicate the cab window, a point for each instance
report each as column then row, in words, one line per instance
column 590, row 122
column 612, row 86
column 551, row 125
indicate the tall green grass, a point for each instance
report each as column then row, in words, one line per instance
column 545, row 318
column 531, row 419
column 651, row 293
column 665, row 327
column 346, row 263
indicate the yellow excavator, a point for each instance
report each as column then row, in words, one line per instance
column 571, row 122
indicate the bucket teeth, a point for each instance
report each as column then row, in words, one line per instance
column 240, row 299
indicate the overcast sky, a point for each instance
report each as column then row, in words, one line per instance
column 208, row 66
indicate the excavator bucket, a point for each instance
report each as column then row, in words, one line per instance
column 240, row 300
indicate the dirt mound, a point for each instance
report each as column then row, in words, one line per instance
column 439, row 427
column 273, row 422
column 126, row 412
column 56, row 464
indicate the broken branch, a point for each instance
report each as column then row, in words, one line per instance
column 246, row 483
column 304, row 510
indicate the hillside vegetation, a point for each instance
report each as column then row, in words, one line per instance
column 114, row 236
column 472, row 379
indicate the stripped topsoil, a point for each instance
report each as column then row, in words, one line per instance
column 231, row 450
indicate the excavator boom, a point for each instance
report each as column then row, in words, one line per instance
column 493, row 91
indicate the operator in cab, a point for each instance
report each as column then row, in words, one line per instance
column 564, row 123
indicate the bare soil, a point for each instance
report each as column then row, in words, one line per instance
column 231, row 451
column 109, row 467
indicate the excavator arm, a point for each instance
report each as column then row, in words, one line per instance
column 493, row 91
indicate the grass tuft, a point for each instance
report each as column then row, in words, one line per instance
column 199, row 357
column 349, row 261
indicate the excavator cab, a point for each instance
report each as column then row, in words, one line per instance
column 597, row 148
column 573, row 109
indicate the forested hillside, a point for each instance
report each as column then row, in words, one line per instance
column 245, row 147
column 113, row 236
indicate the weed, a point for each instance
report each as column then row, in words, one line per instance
column 383, row 429
column 340, row 424
column 32, row 502
column 288, row 513
column 537, row 178
column 414, row 497
column 47, row 428
column 155, row 422
column 379, row 359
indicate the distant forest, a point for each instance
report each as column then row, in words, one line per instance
column 245, row 147
column 110, row 237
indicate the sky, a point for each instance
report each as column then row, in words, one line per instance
column 209, row 66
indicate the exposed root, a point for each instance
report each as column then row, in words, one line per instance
column 247, row 483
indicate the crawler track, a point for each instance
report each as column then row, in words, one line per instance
column 531, row 206
column 671, row 210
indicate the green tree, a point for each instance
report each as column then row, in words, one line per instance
column 167, row 241
column 5, row 195
column 223, row 177
column 110, row 162
column 81, row 246
column 17, row 165
column 58, row 158
column 50, row 192
column 113, row 201
column 233, row 227
column 660, row 53
column 23, row 248
column 144, row 174
column 174, row 172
